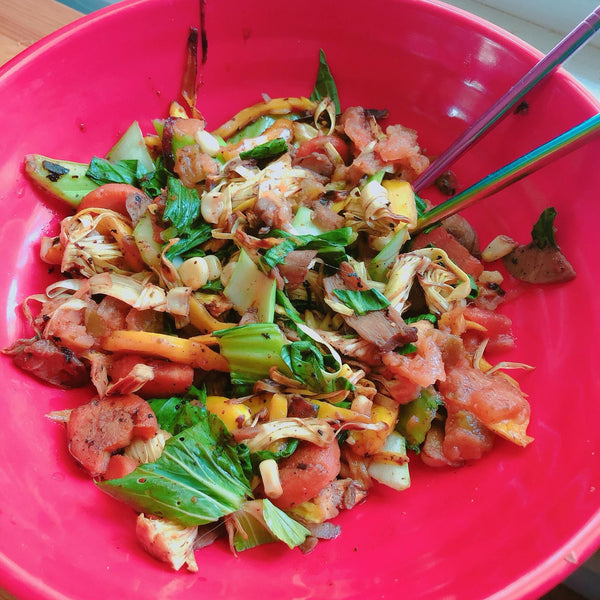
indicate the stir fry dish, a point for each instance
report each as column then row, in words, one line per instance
column 264, row 332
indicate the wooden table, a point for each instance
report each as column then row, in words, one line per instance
column 23, row 22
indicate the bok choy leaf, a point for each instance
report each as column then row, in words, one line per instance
column 198, row 478
column 362, row 301
column 325, row 84
column 267, row 150
column 251, row 350
column 177, row 413
column 262, row 522
column 542, row 233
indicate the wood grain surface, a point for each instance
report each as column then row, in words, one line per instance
column 23, row 22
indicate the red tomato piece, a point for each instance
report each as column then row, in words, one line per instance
column 465, row 437
column 306, row 472
column 170, row 379
column 317, row 144
column 112, row 196
column 498, row 330
column 490, row 398
column 443, row 240
column 119, row 466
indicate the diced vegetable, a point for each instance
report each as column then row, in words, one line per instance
column 131, row 146
column 415, row 417
column 250, row 288
column 370, row 442
column 390, row 465
column 235, row 415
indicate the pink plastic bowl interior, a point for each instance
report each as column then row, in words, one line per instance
column 510, row 526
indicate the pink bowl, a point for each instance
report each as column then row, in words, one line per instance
column 509, row 526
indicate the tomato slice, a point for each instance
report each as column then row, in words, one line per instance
column 440, row 238
column 317, row 144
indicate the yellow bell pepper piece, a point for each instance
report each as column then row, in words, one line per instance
column 202, row 320
column 337, row 413
column 402, row 200
column 309, row 511
column 234, row 415
column 369, row 442
column 277, row 406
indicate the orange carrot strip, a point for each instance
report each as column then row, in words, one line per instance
column 179, row 350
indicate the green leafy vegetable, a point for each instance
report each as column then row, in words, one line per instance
column 154, row 182
column 189, row 240
column 362, row 301
column 474, row 288
column 542, row 233
column 409, row 348
column 251, row 350
column 266, row 150
column 309, row 366
column 262, row 522
column 253, row 130
column 424, row 317
column 124, row 171
column 325, row 84
column 130, row 171
column 177, row 413
column 288, row 307
column 183, row 204
column 330, row 246
column 421, row 206
column 276, row 255
column 214, row 286
column 198, row 478
column 378, row 176
column 282, row 526
column 183, row 210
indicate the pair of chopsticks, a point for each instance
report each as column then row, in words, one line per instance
column 530, row 162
